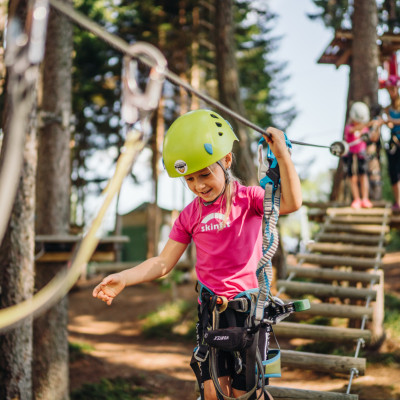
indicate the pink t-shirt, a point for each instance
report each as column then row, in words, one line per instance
column 352, row 136
column 226, row 258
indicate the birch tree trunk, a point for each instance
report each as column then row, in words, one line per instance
column 50, row 365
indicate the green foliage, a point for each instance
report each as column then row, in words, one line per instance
column 170, row 26
column 338, row 14
column 110, row 389
column 392, row 314
column 387, row 359
column 260, row 77
column 176, row 319
column 78, row 351
column 393, row 241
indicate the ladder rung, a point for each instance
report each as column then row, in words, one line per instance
column 340, row 248
column 361, row 211
column 333, row 274
column 355, row 219
column 321, row 332
column 371, row 229
column 322, row 362
column 322, row 290
column 338, row 310
column 347, row 238
column 338, row 261
column 284, row 393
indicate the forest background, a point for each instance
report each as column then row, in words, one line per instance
column 78, row 107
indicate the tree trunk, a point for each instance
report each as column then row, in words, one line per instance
column 363, row 84
column 17, row 260
column 229, row 86
column 364, row 77
column 50, row 367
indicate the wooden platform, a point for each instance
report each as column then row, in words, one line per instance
column 59, row 248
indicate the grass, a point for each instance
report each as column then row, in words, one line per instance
column 393, row 241
column 392, row 315
column 78, row 351
column 109, row 389
column 172, row 320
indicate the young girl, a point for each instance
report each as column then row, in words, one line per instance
column 356, row 159
column 224, row 221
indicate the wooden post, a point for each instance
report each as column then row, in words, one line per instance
column 376, row 325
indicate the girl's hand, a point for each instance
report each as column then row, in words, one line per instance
column 109, row 288
column 276, row 141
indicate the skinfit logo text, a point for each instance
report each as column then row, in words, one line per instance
column 206, row 227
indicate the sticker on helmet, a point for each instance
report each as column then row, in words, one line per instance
column 180, row 167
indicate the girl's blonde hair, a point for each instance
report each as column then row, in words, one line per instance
column 229, row 191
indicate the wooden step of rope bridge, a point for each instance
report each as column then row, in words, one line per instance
column 340, row 273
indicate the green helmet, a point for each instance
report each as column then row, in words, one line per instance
column 196, row 140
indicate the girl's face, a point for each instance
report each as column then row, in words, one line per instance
column 208, row 183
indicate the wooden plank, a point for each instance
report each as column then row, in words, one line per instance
column 76, row 238
column 340, row 248
column 120, row 266
column 322, row 290
column 322, row 362
column 350, row 228
column 321, row 332
column 347, row 238
column 338, row 310
column 66, row 256
column 360, row 212
column 338, row 261
column 95, row 267
column 284, row 393
column 355, row 219
column 333, row 274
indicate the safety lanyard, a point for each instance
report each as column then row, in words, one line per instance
column 269, row 177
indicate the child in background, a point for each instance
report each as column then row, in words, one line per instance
column 224, row 221
column 393, row 150
column 356, row 159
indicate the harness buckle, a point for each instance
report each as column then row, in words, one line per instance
column 199, row 353
column 240, row 304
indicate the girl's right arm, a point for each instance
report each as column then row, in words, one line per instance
column 147, row 271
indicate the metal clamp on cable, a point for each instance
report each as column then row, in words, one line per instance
column 138, row 104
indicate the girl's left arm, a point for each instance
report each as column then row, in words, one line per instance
column 291, row 198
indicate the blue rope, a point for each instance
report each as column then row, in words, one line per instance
column 270, row 181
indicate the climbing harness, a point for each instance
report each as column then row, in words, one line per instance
column 256, row 308
column 134, row 143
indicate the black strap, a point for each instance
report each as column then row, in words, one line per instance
column 251, row 376
column 196, row 369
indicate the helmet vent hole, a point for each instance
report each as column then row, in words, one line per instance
column 220, row 133
column 218, row 124
column 214, row 116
